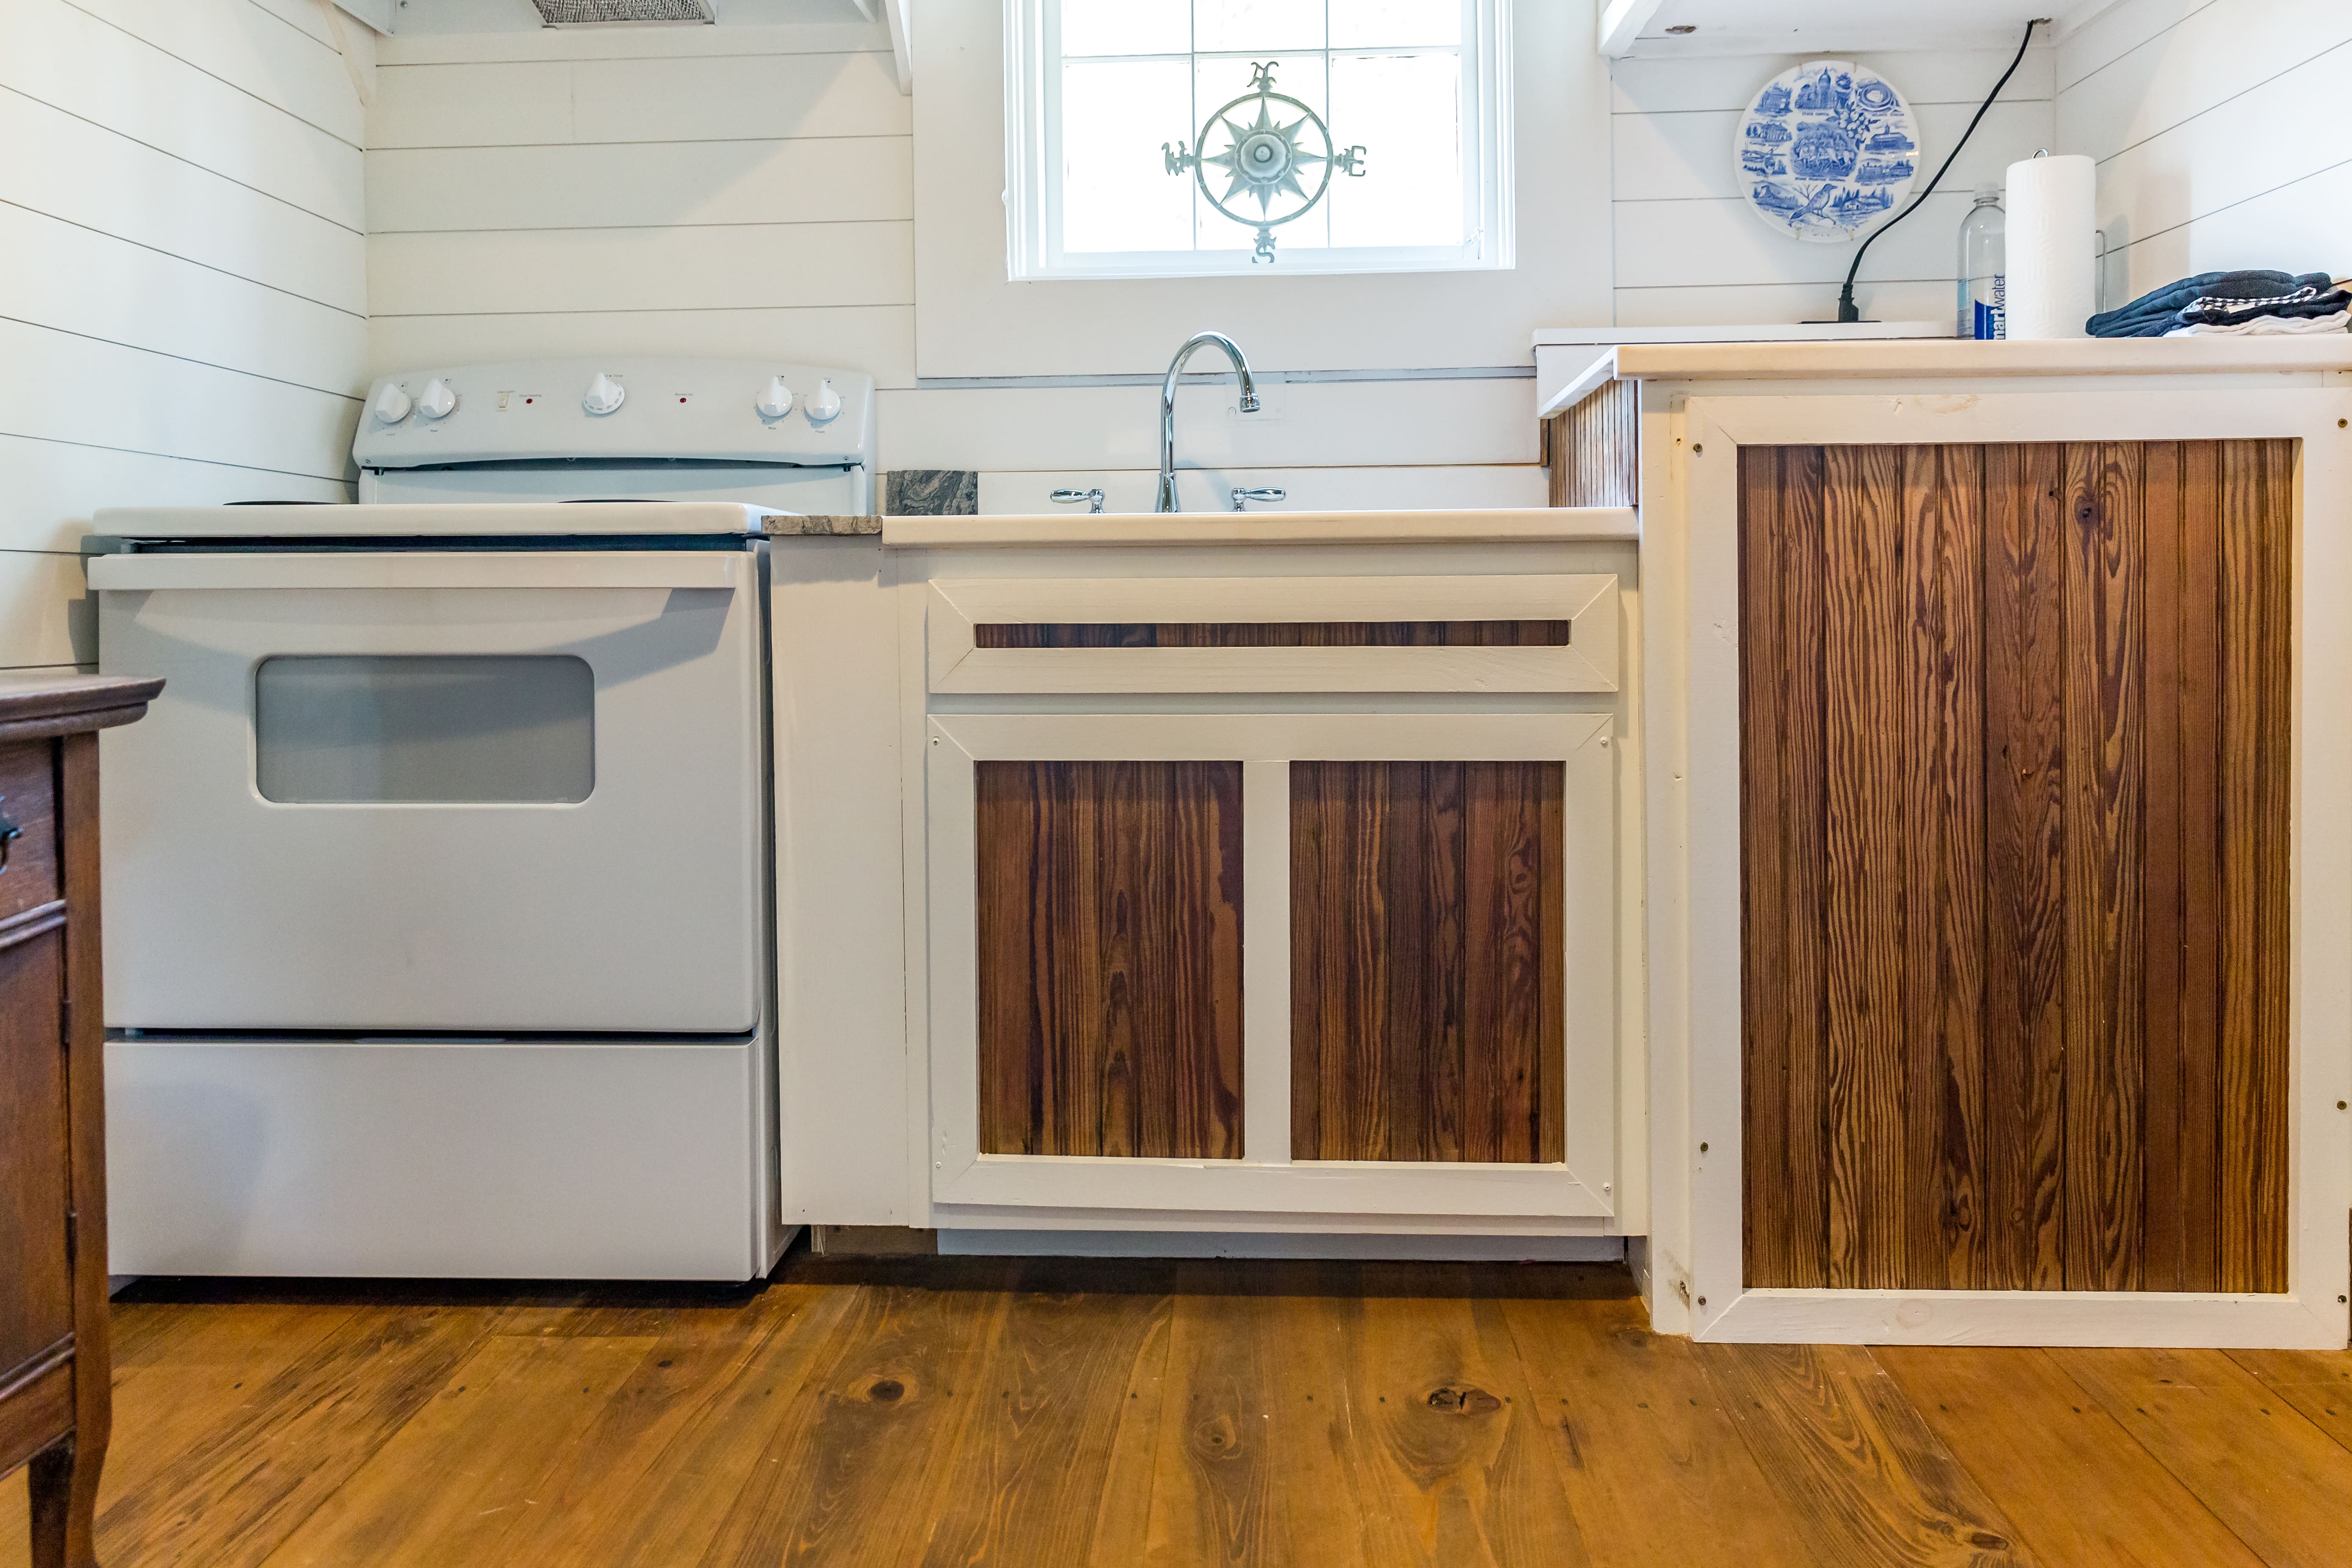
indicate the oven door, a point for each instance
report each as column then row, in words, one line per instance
column 484, row 791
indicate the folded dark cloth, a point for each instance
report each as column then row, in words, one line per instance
column 2221, row 299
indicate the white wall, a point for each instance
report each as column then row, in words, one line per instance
column 1690, row 252
column 2223, row 131
column 182, row 292
column 758, row 190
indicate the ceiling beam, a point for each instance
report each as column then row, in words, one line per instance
column 1622, row 22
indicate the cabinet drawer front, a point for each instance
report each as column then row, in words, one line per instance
column 1551, row 633
column 29, row 802
column 36, row 1287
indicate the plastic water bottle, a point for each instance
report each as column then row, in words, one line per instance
column 1984, row 266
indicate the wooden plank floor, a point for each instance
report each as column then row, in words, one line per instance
column 922, row 1411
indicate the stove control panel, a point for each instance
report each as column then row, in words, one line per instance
column 619, row 409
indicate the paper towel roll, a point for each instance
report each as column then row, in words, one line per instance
column 2052, row 247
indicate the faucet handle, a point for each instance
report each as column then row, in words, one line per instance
column 1071, row 498
column 1269, row 492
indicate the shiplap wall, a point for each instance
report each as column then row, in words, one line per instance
column 2223, row 131
column 748, row 190
column 1689, row 252
column 182, row 276
column 724, row 190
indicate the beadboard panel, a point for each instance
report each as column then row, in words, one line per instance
column 876, row 338
column 71, row 60
column 75, row 280
column 738, row 267
column 686, row 98
column 112, row 185
column 62, row 387
column 43, row 607
column 844, row 179
column 242, row 43
column 55, row 486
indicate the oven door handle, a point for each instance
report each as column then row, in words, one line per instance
column 558, row 570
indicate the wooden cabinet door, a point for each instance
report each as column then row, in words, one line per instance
column 36, row 1282
column 1293, row 962
column 2015, row 817
column 1110, row 958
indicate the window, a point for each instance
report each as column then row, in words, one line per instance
column 384, row 728
column 1173, row 137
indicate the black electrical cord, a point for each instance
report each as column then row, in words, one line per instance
column 1847, row 311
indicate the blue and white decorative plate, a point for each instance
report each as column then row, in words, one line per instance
column 1827, row 150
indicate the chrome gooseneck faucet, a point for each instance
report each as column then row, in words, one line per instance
column 1167, row 501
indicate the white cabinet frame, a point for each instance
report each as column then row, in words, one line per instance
column 1587, row 600
column 1265, row 1180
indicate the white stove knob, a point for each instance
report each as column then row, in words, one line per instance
column 776, row 402
column 438, row 400
column 823, row 403
column 604, row 394
column 392, row 405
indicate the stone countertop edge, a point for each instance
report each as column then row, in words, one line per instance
column 821, row 526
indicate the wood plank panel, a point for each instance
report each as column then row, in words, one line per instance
column 2030, row 1437
column 2102, row 1187
column 1110, row 958
column 2256, row 784
column 2199, row 1138
column 1862, row 677
column 1867, row 1481
column 1595, row 448
column 1943, row 917
column 2015, row 989
column 1271, row 634
column 1428, row 1015
column 1766, row 1178
column 2025, row 873
column 1804, row 750
column 2164, row 1241
column 2269, row 1107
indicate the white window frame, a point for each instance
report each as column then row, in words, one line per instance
column 1033, row 182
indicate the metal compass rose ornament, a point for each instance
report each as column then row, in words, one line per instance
column 1274, row 158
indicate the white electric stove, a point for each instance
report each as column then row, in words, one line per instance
column 438, row 886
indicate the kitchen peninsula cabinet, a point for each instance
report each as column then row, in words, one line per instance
column 54, row 1373
column 1998, row 897
column 1268, row 873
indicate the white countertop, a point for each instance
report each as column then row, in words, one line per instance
column 1531, row 525
column 1949, row 357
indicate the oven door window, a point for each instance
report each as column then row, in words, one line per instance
column 468, row 729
